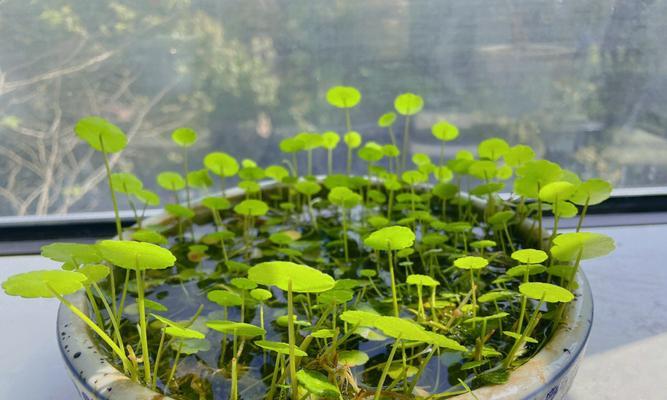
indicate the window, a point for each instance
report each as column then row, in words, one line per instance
column 582, row 82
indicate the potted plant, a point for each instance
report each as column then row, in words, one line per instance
column 395, row 284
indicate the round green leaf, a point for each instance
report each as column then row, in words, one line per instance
column 304, row 279
column 170, row 180
column 517, row 336
column 101, row 134
column 470, row 262
column 483, row 169
column 76, row 253
column 550, row 293
column 421, row 280
column 492, row 149
column 567, row 246
column 386, row 120
column 309, row 188
column 221, row 164
column 343, row 96
column 180, row 211
column 530, row 256
column 530, row 269
column 413, row 177
column 519, row 155
column 330, row 140
column 36, row 283
column 183, row 333
column 556, row 191
column 359, row 318
column 317, row 383
column 260, row 294
column 595, row 190
column 344, row 197
column 445, row 131
column 147, row 197
column 184, row 137
column 243, row 283
column 352, row 358
column 352, row 139
column 94, row 273
column 408, row 104
column 276, row 172
column 292, row 145
column 199, row 179
column 135, row 255
column 236, row 328
column 280, row 348
column 251, row 208
column 496, row 296
column 371, row 152
column 149, row 236
column 216, row 203
column 191, row 346
column 390, row 238
column 224, row 298
column 126, row 183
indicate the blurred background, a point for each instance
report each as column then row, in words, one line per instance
column 585, row 83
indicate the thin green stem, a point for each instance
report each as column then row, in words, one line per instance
column 292, row 341
column 141, row 306
column 393, row 283
column 115, row 319
column 157, row 360
column 173, row 368
column 385, row 370
column 583, row 214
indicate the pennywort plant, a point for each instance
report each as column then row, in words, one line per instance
column 338, row 286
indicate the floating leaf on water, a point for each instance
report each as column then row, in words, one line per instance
column 279, row 347
column 236, row 328
column 191, row 346
column 149, row 236
column 530, row 256
column 550, row 293
column 184, row 137
column 36, row 283
column 471, row 262
column 521, row 270
column 135, row 255
column 352, row 358
column 408, row 104
column 70, row 252
column 221, row 164
column 251, row 208
column 390, row 238
column 421, row 280
column 101, row 134
column 517, row 336
column 559, row 190
column 278, row 273
column 567, row 246
column 316, row 383
column 224, row 298
column 94, row 273
column 343, row 96
column 170, row 180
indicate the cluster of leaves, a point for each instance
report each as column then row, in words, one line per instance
column 401, row 256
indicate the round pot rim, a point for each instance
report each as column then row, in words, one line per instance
column 88, row 365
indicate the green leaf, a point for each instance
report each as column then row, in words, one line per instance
column 147, row 197
column 224, row 298
column 386, row 120
column 521, row 270
column 221, row 164
column 101, row 134
column 530, row 256
column 180, row 211
column 276, row 172
column 183, row 333
column 483, row 169
column 243, row 283
column 155, row 306
column 260, row 294
column 359, row 318
column 343, row 96
column 199, row 179
column 421, row 280
column 408, row 104
column 550, row 293
column 278, row 273
column 595, row 190
column 344, row 197
column 371, row 152
column 413, row 177
column 487, row 188
column 330, row 140
column 216, row 203
column 499, row 315
column 517, row 336
column 94, row 273
column 445, row 191
column 352, row 358
column 280, row 348
column 483, row 244
column 316, row 383
column 76, row 253
column 135, row 255
column 184, row 137
column 556, row 191
column 398, row 370
column 126, row 183
column 470, row 262
column 338, row 296
column 390, row 238
column 352, row 139
column 534, row 175
column 567, row 246
column 170, row 180
column 492, row 149
column 445, row 131
column 519, row 155
column 251, row 208
column 324, row 334
column 236, row 328
column 149, row 236
column 36, row 283
column 496, row 296
column 191, row 346
column 501, row 218
column 308, row 188
column 292, row 145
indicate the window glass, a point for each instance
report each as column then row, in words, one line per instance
column 582, row 82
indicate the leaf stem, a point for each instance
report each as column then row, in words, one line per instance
column 292, row 340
